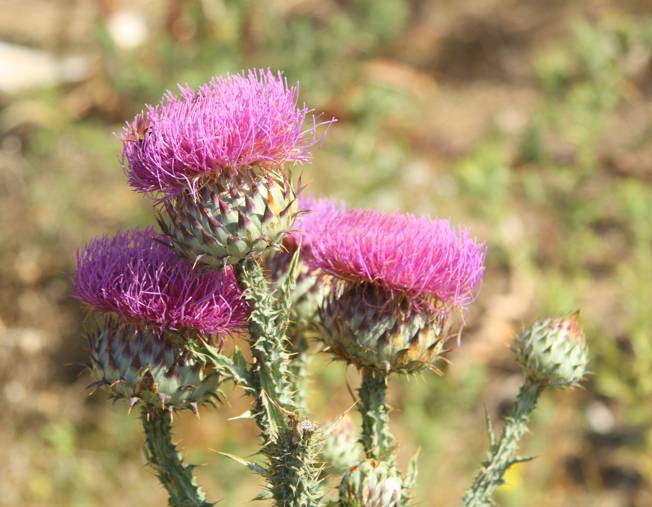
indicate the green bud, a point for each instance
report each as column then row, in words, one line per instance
column 341, row 449
column 372, row 483
column 554, row 351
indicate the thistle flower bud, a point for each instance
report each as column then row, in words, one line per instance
column 153, row 369
column 372, row 483
column 554, row 351
column 341, row 449
column 231, row 217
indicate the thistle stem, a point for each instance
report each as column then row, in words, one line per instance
column 377, row 439
column 293, row 469
column 163, row 456
column 299, row 369
column 502, row 453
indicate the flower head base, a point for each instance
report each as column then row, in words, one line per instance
column 150, row 368
column 554, row 351
column 366, row 325
column 232, row 122
column 144, row 282
column 236, row 215
column 372, row 483
column 421, row 258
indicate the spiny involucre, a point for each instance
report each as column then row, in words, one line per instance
column 421, row 258
column 554, row 351
column 144, row 282
column 148, row 367
column 232, row 122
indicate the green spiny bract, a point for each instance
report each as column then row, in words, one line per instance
column 365, row 326
column 372, row 483
column 341, row 449
column 231, row 217
column 152, row 369
column 554, row 351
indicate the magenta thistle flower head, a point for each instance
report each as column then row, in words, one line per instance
column 134, row 276
column 232, row 122
column 421, row 258
column 400, row 277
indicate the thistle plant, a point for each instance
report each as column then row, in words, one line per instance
column 239, row 253
column 396, row 280
column 156, row 314
column 217, row 161
column 552, row 353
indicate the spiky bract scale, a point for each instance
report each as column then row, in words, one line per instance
column 368, row 326
column 235, row 215
column 231, row 122
column 372, row 483
column 554, row 351
column 153, row 369
column 143, row 281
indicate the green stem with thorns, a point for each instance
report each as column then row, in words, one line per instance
column 293, row 469
column 377, row 439
column 163, row 456
column 502, row 453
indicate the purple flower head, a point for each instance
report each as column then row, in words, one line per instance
column 419, row 257
column 231, row 122
column 143, row 281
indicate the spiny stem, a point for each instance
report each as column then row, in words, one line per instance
column 377, row 438
column 502, row 453
column 163, row 456
column 299, row 369
column 292, row 463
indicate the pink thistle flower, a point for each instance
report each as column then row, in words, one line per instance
column 143, row 281
column 418, row 257
column 232, row 122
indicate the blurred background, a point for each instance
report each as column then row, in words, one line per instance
column 529, row 121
